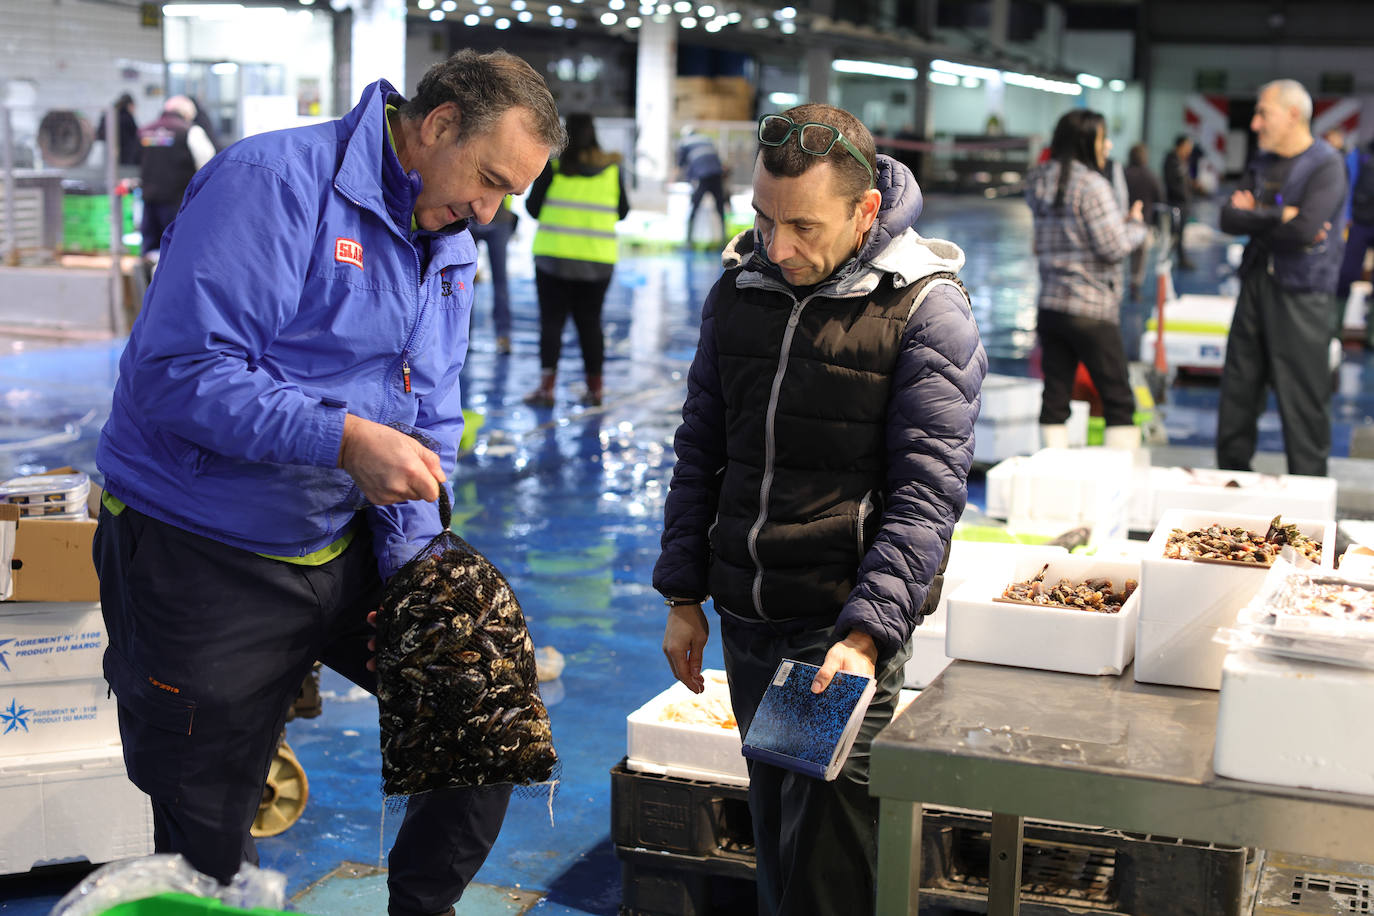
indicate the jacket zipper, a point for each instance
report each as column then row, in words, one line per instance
column 864, row 505
column 419, row 287
column 770, row 453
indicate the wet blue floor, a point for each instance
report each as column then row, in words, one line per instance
column 568, row 503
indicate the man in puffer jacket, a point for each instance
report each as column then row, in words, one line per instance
column 821, row 465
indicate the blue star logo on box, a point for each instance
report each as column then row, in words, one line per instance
column 15, row 717
column 4, row 662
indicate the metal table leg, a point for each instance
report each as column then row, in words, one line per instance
column 1004, row 866
column 899, row 857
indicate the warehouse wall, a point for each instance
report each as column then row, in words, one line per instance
column 76, row 54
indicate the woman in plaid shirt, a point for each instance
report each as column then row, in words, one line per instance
column 1081, row 238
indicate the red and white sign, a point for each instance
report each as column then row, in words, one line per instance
column 1341, row 113
column 1208, row 117
column 347, row 251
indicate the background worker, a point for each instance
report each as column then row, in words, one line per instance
column 1291, row 205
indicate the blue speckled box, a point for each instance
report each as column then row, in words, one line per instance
column 809, row 733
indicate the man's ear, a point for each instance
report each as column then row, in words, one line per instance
column 867, row 208
column 441, row 124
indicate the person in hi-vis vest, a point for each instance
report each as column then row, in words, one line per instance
column 578, row 200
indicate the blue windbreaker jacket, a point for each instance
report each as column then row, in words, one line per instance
column 286, row 296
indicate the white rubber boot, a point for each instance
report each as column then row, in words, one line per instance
column 1054, row 435
column 1122, row 437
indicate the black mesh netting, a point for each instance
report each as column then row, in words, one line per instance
column 456, row 682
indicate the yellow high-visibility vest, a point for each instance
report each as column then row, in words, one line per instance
column 577, row 220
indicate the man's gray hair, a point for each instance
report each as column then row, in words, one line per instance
column 485, row 87
column 1292, row 95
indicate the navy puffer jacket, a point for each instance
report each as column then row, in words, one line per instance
column 743, row 448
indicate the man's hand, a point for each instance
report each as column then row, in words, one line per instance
column 1243, row 200
column 856, row 654
column 1137, row 214
column 387, row 465
column 684, row 639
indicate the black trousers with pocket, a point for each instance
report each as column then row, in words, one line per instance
column 209, row 646
column 815, row 842
column 583, row 299
column 1067, row 340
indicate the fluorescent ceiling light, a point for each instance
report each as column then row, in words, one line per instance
column 687, row 22
column 502, row 24
column 524, row 16
column 1116, row 85
column 944, row 79
column 788, row 27
column 949, row 66
column 204, row 10
column 1087, row 79
column 1031, row 81
column 870, row 68
column 471, row 19
column 633, row 22
column 971, row 82
column 425, row 4
column 609, row 18
column 706, row 12
column 436, row 15
column 783, row 98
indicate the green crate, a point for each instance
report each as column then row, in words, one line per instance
column 86, row 221
column 181, row 905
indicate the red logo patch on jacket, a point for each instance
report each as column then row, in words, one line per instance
column 347, row 251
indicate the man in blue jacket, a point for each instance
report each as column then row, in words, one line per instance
column 821, row 465
column 314, row 288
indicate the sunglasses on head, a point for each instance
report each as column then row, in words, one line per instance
column 816, row 139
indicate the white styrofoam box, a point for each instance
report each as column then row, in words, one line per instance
column 1182, row 653
column 51, row 716
column 1293, row 723
column 1355, row 305
column 928, row 656
column 982, row 629
column 1255, row 494
column 681, row 749
column 71, row 807
column 997, row 485
column 1141, row 506
column 995, row 440
column 983, row 559
column 1184, row 602
column 1007, row 397
column 50, row 641
column 1188, row 351
column 1071, row 487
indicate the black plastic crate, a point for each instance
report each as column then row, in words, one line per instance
column 667, row 884
column 684, row 816
column 1068, row 869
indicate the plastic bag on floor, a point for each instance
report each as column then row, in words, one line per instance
column 137, row 879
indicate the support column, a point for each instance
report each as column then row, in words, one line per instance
column 818, row 86
column 378, row 47
column 657, row 69
column 997, row 24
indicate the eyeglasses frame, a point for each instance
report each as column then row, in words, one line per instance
column 838, row 137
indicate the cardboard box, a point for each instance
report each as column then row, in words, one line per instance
column 51, row 559
column 71, row 807
column 681, row 749
column 46, row 717
column 50, row 641
column 982, row 629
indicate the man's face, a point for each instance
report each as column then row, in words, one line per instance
column 470, row 179
column 1185, row 149
column 1102, row 147
column 805, row 227
column 1274, row 122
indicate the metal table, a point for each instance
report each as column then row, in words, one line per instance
column 1103, row 751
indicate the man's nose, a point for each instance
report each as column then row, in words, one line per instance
column 484, row 208
column 779, row 248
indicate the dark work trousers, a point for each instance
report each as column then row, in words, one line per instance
column 559, row 297
column 156, row 219
column 1067, row 340
column 209, row 645
column 715, row 186
column 1279, row 339
column 815, row 842
column 497, row 235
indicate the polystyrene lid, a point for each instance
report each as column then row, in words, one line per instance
column 46, row 488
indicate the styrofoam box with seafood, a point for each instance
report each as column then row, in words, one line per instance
column 1185, row 602
column 1245, row 492
column 687, row 735
column 71, row 807
column 1009, row 397
column 50, row 641
column 1317, row 745
column 983, row 629
column 48, row 494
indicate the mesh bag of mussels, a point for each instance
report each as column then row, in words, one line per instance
column 456, row 683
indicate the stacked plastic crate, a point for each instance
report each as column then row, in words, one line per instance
column 63, row 787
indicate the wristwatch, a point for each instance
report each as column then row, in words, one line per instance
column 682, row 602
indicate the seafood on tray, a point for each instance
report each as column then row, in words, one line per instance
column 1221, row 543
column 1096, row 594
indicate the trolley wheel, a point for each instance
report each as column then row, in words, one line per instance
column 283, row 796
